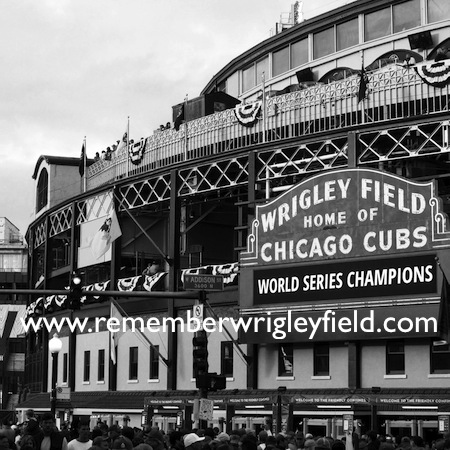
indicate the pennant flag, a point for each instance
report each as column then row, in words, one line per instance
column 248, row 114
column 105, row 236
column 435, row 74
column 151, row 281
column 136, row 151
column 82, row 164
column 115, row 336
column 123, row 144
column 180, row 117
column 128, row 284
column 363, row 82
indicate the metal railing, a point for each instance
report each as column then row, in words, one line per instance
column 394, row 92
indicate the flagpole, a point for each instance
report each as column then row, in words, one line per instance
column 84, row 166
column 236, row 343
column 123, row 313
column 363, row 117
column 264, row 106
column 185, row 128
column 112, row 345
column 128, row 145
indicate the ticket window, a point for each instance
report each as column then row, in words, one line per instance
column 250, row 423
column 317, row 427
column 239, row 422
column 166, row 423
column 338, row 428
column 428, row 430
column 257, row 423
column 401, row 427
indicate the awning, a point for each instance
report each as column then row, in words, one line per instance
column 388, row 399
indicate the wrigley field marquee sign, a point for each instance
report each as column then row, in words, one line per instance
column 347, row 214
column 359, row 242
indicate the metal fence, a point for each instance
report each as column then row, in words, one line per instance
column 394, row 92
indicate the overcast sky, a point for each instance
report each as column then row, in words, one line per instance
column 75, row 68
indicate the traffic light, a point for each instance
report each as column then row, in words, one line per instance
column 211, row 382
column 200, row 353
column 75, row 292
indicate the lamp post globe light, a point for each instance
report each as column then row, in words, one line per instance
column 54, row 346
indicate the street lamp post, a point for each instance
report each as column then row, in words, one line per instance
column 54, row 346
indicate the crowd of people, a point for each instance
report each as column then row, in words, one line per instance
column 43, row 434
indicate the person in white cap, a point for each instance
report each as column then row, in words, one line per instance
column 193, row 441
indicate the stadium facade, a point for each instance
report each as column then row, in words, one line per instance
column 312, row 174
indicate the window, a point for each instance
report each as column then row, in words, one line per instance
column 16, row 346
column 347, row 34
column 65, row 367
column 60, row 250
column 101, row 365
column 321, row 359
column 299, row 53
column 252, row 75
column 438, row 10
column 377, row 24
column 248, row 78
column 262, row 67
column 324, row 43
column 395, row 358
column 226, row 358
column 222, row 87
column 42, row 190
column 280, row 61
column 406, row 15
column 87, row 366
column 286, row 360
column 154, row 362
column 440, row 359
column 133, row 364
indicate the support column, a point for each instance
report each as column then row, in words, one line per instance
column 252, row 349
column 352, row 149
column 229, row 414
column 174, row 273
column 353, row 365
column 72, row 336
column 116, row 255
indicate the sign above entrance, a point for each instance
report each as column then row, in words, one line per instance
column 347, row 214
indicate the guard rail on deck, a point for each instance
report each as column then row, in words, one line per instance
column 394, row 92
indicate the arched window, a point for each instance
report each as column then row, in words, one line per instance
column 394, row 57
column 42, row 190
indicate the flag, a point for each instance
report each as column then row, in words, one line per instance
column 435, row 74
column 363, row 82
column 115, row 336
column 248, row 114
column 136, row 151
column 180, row 117
column 105, row 235
column 82, row 164
column 123, row 143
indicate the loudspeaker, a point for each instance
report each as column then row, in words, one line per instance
column 305, row 75
column 420, row 40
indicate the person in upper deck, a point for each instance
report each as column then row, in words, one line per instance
column 441, row 54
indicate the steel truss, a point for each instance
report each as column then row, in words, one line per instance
column 277, row 168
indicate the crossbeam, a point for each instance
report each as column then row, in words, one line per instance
column 188, row 295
